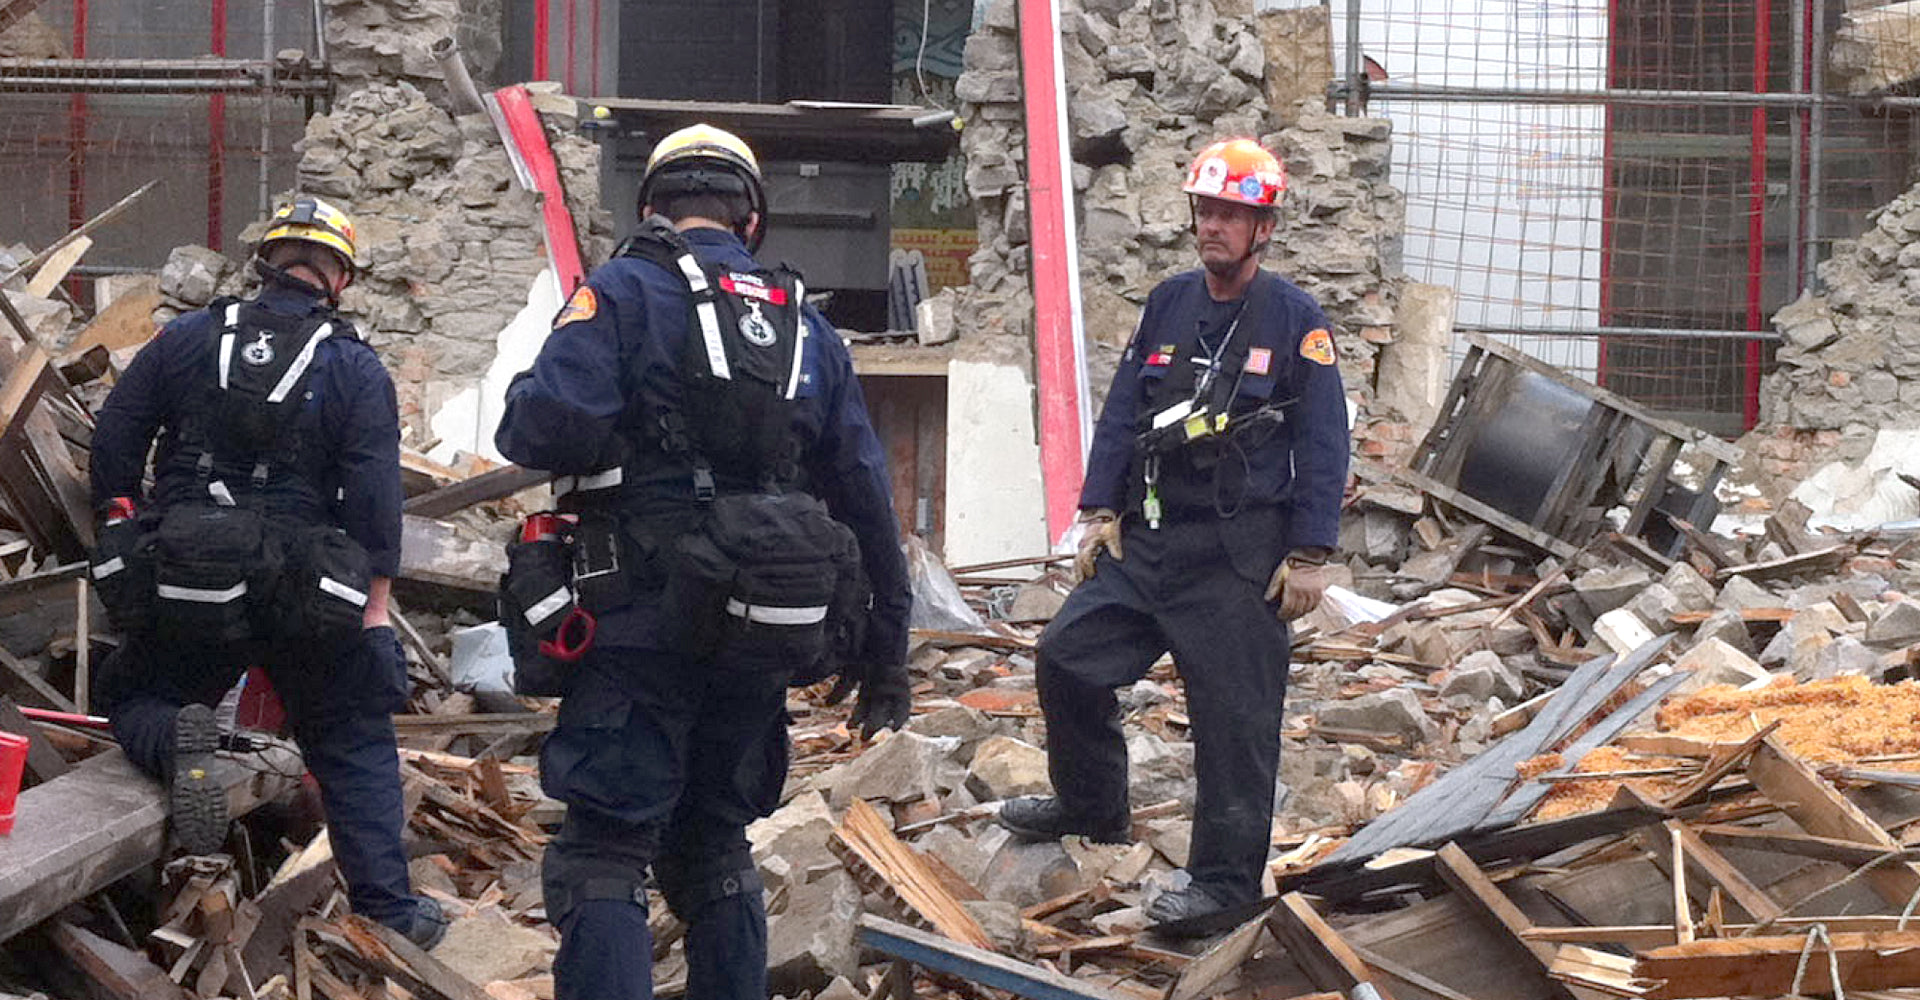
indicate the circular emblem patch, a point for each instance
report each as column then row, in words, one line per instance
column 755, row 327
column 259, row 352
column 1250, row 188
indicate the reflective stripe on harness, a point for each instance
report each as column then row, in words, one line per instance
column 342, row 591
column 300, row 363
column 607, row 479
column 200, row 595
column 709, row 316
column 226, row 342
column 108, row 568
column 765, row 615
column 799, row 336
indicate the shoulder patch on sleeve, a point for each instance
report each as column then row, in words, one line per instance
column 1317, row 347
column 583, row 305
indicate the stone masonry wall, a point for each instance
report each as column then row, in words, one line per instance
column 1150, row 83
column 1849, row 361
column 378, row 42
column 449, row 241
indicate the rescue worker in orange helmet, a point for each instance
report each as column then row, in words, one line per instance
column 1210, row 510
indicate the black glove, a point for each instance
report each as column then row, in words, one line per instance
column 885, row 701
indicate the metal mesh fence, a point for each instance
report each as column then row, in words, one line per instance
column 1627, row 188
column 101, row 96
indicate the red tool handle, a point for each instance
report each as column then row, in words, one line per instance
column 573, row 639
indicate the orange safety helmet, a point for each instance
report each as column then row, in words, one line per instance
column 1237, row 170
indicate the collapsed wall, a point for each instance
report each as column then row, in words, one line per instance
column 1150, row 83
column 1849, row 358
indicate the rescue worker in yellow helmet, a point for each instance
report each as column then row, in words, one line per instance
column 269, row 538
column 689, row 401
column 1211, row 509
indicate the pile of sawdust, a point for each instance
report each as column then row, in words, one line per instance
column 1832, row 721
column 1568, row 798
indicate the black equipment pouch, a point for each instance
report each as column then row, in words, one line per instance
column 122, row 570
column 536, row 598
column 323, row 591
column 214, row 570
column 756, row 584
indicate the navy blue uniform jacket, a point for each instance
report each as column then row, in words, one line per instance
column 1303, row 469
column 571, row 414
column 349, row 468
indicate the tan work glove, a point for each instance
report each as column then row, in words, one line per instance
column 1299, row 584
column 1101, row 530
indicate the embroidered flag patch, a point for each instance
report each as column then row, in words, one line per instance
column 1317, row 347
column 583, row 305
column 1259, row 360
column 1162, row 357
column 748, row 286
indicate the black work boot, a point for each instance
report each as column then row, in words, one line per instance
column 195, row 800
column 1043, row 817
column 1180, row 905
column 425, row 925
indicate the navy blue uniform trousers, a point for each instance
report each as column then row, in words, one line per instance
column 339, row 699
column 662, row 761
column 1175, row 589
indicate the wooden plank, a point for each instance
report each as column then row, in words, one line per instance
column 1819, row 560
column 111, row 212
column 120, row 972
column 1845, row 852
column 99, row 822
column 1665, row 450
column 126, row 322
column 1677, row 872
column 1406, row 974
column 418, row 643
column 1702, row 861
column 477, row 724
column 1822, row 811
column 976, row 965
column 1597, row 971
column 1767, row 966
column 1721, row 764
column 1646, row 937
column 1484, row 512
column 24, row 672
column 1490, row 904
column 866, row 834
column 393, row 955
column 1221, row 959
column 54, row 269
column 1327, row 959
column 494, row 484
column 44, row 762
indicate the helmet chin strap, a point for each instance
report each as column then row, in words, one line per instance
column 282, row 276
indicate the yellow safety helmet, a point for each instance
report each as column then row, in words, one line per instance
column 703, row 159
column 313, row 221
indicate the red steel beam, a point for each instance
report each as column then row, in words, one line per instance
column 540, row 31
column 533, row 162
column 77, row 129
column 1060, row 370
column 1757, row 207
column 217, row 139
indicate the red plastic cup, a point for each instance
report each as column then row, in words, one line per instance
column 13, row 761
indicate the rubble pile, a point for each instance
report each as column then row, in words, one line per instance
column 1150, row 84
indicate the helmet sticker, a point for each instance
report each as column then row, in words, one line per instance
column 1250, row 188
column 1211, row 177
column 582, row 305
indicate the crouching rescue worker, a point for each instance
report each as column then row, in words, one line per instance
column 726, row 502
column 1211, row 506
column 269, row 538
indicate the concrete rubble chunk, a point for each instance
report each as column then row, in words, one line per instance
column 1898, row 624
column 1717, row 662
column 1612, row 587
column 1742, row 594
column 1656, row 605
column 970, row 726
column 1024, row 873
column 1727, row 626
column 903, row 768
column 1622, row 631
column 1004, row 768
column 1002, row 922
column 192, row 274
column 812, row 941
column 1481, row 675
column 1158, row 770
column 1395, row 712
column 1843, row 656
column 486, row 945
column 1036, row 602
column 796, row 833
column 840, row 989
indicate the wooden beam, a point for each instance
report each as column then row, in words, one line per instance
column 120, row 972
column 111, row 212
column 1221, row 959
column 54, row 269
column 1822, row 811
column 101, row 821
column 1767, row 966
column 478, row 724
column 391, row 954
column 1326, row 957
column 24, row 672
column 495, row 484
column 937, row 954
column 1803, row 845
column 1492, row 905
column 1646, row 937
column 864, row 834
column 1698, row 860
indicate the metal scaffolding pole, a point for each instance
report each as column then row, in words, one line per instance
column 1645, row 332
column 1355, row 82
column 1390, row 91
column 266, row 103
column 1816, row 145
column 1796, row 155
